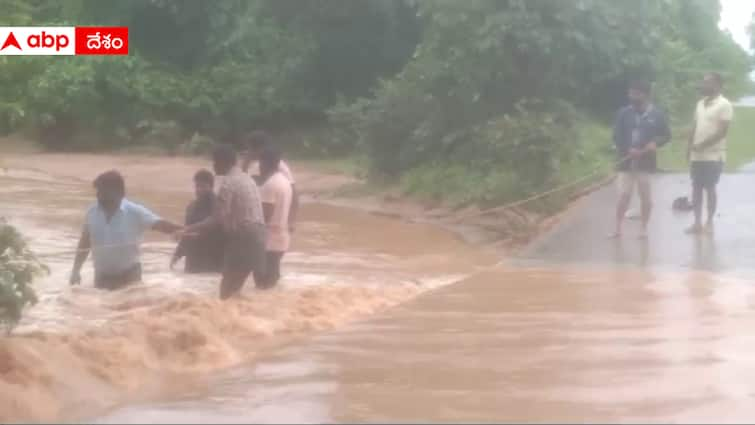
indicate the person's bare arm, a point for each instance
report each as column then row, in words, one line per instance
column 181, row 247
column 179, row 253
column 721, row 131
column 82, row 252
column 650, row 147
column 246, row 162
column 294, row 211
column 662, row 136
column 691, row 139
column 202, row 226
column 215, row 218
column 164, row 226
column 268, row 209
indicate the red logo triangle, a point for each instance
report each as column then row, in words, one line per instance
column 11, row 41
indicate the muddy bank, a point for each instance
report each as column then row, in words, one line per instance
column 501, row 229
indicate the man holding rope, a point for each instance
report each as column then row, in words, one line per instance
column 113, row 232
column 640, row 129
column 238, row 210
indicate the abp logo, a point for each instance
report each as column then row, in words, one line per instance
column 37, row 40
column 11, row 41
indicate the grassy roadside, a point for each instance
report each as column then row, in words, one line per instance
column 595, row 156
column 352, row 166
column 741, row 144
column 458, row 185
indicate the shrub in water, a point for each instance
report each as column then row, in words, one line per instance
column 18, row 268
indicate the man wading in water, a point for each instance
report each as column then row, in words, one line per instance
column 276, row 195
column 254, row 145
column 204, row 252
column 238, row 210
column 113, row 232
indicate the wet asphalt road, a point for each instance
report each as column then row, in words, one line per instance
column 580, row 238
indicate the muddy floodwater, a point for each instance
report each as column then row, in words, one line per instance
column 375, row 320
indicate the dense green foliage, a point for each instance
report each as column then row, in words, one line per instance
column 197, row 66
column 476, row 100
column 18, row 268
column 485, row 107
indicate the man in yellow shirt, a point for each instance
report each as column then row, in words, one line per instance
column 707, row 148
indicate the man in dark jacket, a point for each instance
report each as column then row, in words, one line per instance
column 203, row 252
column 640, row 129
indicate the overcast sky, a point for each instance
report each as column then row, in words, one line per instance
column 735, row 16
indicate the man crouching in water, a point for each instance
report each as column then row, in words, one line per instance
column 238, row 210
column 113, row 232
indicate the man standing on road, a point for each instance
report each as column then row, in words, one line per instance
column 640, row 129
column 238, row 209
column 707, row 149
column 113, row 232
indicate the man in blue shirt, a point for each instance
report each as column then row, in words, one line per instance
column 640, row 129
column 113, row 232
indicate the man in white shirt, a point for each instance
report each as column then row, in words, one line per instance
column 276, row 194
column 707, row 148
column 254, row 144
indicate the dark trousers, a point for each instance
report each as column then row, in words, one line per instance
column 117, row 281
column 271, row 274
column 244, row 253
column 706, row 174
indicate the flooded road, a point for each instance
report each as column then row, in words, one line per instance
column 81, row 351
column 579, row 329
column 625, row 346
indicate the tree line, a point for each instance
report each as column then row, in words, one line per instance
column 488, row 94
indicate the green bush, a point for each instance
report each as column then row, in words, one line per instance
column 216, row 68
column 391, row 148
column 486, row 109
column 461, row 185
column 166, row 134
column 504, row 159
column 198, row 145
column 18, row 268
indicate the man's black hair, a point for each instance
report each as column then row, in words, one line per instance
column 111, row 181
column 642, row 86
column 204, row 176
column 259, row 139
column 270, row 158
column 225, row 155
column 717, row 78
